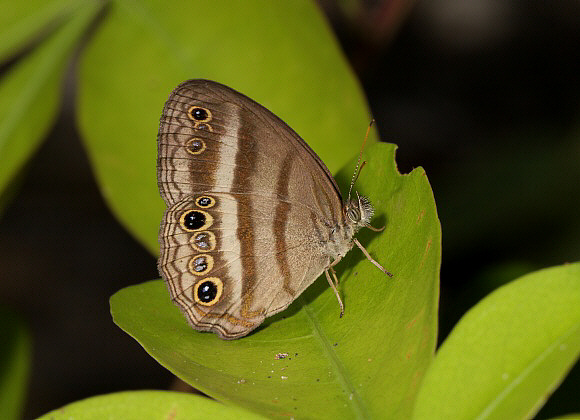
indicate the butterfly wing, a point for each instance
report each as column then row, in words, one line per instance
column 249, row 207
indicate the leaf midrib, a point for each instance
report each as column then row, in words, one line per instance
column 356, row 404
column 502, row 396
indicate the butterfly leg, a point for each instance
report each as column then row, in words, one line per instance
column 333, row 273
column 332, row 285
column 330, row 267
column 362, row 248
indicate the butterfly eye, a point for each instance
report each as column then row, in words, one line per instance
column 193, row 220
column 208, row 291
column 353, row 213
column 199, row 114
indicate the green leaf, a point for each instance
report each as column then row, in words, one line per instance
column 508, row 353
column 30, row 93
column 148, row 405
column 281, row 54
column 14, row 365
column 367, row 364
column 24, row 22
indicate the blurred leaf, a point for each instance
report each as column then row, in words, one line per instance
column 367, row 364
column 508, row 353
column 30, row 93
column 148, row 405
column 281, row 54
column 23, row 22
column 14, row 365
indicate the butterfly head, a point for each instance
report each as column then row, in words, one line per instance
column 359, row 211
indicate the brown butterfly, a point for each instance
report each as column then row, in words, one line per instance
column 253, row 215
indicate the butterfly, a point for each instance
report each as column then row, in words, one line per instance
column 253, row 215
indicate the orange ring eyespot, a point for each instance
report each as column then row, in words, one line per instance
column 203, row 241
column 203, row 126
column 195, row 146
column 199, row 114
column 205, row 201
column 200, row 264
column 207, row 292
column 195, row 220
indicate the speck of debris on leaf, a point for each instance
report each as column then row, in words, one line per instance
column 281, row 356
column 283, row 377
column 242, row 381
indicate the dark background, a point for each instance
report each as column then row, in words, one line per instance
column 483, row 94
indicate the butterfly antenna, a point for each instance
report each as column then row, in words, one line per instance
column 358, row 164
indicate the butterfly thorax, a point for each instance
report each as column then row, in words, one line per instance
column 357, row 214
